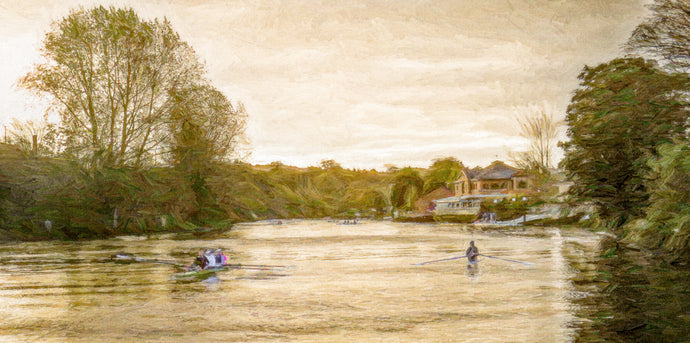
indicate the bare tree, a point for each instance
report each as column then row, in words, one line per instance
column 541, row 129
column 665, row 35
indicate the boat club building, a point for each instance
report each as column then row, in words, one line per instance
column 498, row 180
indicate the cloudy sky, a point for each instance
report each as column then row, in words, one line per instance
column 366, row 83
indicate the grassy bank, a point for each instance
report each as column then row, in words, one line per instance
column 82, row 204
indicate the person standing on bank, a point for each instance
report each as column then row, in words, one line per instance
column 472, row 252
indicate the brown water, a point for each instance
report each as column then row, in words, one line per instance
column 345, row 283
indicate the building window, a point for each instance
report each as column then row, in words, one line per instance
column 522, row 184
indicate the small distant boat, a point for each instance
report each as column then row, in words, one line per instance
column 349, row 222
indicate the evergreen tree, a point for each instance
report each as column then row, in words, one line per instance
column 621, row 112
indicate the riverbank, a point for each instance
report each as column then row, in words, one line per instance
column 51, row 198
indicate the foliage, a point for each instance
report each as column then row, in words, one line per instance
column 205, row 127
column 85, row 203
column 205, row 130
column 508, row 208
column 441, row 173
column 114, row 80
column 668, row 217
column 622, row 111
column 665, row 35
column 329, row 164
column 406, row 186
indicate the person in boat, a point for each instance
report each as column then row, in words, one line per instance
column 209, row 259
column 200, row 262
column 472, row 252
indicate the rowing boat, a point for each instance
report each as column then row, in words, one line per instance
column 199, row 274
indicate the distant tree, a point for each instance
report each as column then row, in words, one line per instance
column 441, row 173
column 330, row 164
column 618, row 116
column 21, row 134
column 665, row 35
column 110, row 76
column 391, row 168
column 407, row 185
column 276, row 165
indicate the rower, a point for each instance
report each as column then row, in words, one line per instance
column 472, row 252
column 200, row 261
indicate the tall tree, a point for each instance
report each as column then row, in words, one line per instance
column 665, row 35
column 618, row 116
column 110, row 75
column 205, row 127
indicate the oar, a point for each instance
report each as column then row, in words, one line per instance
column 261, row 265
column 173, row 263
column 505, row 259
column 236, row 266
column 149, row 260
column 441, row 260
column 256, row 266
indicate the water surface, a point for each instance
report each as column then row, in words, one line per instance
column 345, row 283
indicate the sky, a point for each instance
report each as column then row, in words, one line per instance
column 368, row 84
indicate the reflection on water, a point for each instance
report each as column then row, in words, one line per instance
column 634, row 296
column 349, row 283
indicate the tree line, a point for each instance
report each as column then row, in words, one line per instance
column 80, row 202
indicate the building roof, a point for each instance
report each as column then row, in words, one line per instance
column 474, row 172
column 497, row 170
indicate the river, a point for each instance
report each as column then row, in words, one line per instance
column 341, row 283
